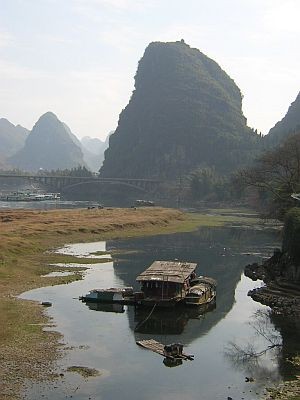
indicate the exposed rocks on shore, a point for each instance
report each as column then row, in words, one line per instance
column 281, row 292
column 282, row 279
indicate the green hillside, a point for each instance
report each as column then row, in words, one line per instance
column 185, row 113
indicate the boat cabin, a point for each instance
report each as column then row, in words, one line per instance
column 166, row 282
column 111, row 295
column 202, row 291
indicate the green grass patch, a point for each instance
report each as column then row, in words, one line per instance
column 18, row 318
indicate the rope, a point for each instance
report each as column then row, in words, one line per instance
column 141, row 323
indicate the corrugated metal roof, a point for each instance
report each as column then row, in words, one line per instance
column 172, row 271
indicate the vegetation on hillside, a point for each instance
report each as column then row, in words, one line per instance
column 275, row 176
column 76, row 171
column 291, row 234
column 184, row 114
column 289, row 125
column 206, row 184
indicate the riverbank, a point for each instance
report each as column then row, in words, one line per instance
column 283, row 297
column 26, row 351
column 279, row 293
column 289, row 390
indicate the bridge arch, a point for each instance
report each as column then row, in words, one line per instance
column 93, row 182
column 67, row 182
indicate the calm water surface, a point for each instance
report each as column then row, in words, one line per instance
column 45, row 205
column 104, row 337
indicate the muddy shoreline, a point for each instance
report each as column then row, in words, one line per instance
column 279, row 293
column 283, row 297
column 28, row 350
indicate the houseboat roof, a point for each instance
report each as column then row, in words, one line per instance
column 171, row 271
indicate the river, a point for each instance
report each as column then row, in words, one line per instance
column 46, row 205
column 222, row 339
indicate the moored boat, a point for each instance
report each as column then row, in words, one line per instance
column 29, row 196
column 202, row 291
column 111, row 295
column 163, row 284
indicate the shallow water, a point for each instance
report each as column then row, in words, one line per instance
column 45, row 205
column 103, row 337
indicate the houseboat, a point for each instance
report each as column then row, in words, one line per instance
column 166, row 283
column 163, row 284
column 202, row 291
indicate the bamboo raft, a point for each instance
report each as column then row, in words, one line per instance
column 159, row 348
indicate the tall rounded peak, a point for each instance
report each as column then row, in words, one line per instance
column 48, row 119
column 49, row 115
column 163, row 47
column 183, row 111
column 176, row 43
column 48, row 123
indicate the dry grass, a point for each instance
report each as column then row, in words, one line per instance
column 26, row 234
column 26, row 351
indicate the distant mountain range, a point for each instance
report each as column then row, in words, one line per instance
column 93, row 151
column 12, row 139
column 185, row 113
column 50, row 145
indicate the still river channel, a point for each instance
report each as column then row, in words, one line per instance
column 105, row 337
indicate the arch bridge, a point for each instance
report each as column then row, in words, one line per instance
column 66, row 182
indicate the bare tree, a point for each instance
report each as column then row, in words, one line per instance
column 253, row 355
column 276, row 174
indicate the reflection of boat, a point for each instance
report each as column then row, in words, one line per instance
column 111, row 295
column 172, row 363
column 106, row 307
column 202, row 291
column 166, row 321
column 29, row 196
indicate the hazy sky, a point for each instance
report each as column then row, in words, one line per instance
column 78, row 58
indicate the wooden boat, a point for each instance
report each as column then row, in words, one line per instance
column 172, row 351
column 111, row 295
column 165, row 283
column 202, row 291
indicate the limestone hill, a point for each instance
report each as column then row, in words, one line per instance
column 48, row 146
column 184, row 113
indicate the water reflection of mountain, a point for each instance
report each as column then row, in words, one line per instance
column 170, row 321
column 221, row 253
